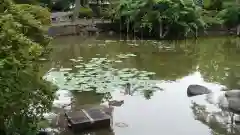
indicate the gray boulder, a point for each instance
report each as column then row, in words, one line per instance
column 42, row 132
column 237, row 119
column 222, row 102
column 194, row 90
column 234, row 104
column 233, row 94
column 233, row 98
column 116, row 103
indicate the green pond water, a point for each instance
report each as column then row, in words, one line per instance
column 95, row 70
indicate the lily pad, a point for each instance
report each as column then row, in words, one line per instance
column 110, row 41
column 118, row 61
column 65, row 69
column 99, row 74
column 78, row 66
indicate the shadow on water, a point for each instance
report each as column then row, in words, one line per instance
column 96, row 71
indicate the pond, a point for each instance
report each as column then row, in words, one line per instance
column 95, row 70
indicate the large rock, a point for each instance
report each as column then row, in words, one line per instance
column 233, row 98
column 234, row 105
column 42, row 132
column 233, row 94
column 194, row 90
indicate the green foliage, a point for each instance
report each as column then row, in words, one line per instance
column 26, row 1
column 213, row 4
column 39, row 13
column 85, row 12
column 230, row 16
column 99, row 75
column 60, row 5
column 209, row 17
column 181, row 17
column 24, row 95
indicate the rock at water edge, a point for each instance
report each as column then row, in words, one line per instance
column 194, row 90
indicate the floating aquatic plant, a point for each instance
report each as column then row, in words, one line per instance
column 99, row 75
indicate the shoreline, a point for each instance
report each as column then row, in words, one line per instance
column 84, row 27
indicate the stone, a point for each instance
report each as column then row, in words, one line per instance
column 42, row 132
column 116, row 103
column 233, row 94
column 234, row 105
column 87, row 119
column 111, row 33
column 222, row 102
column 237, row 119
column 92, row 29
column 194, row 90
column 233, row 98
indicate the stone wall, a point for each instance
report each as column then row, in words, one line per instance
column 63, row 30
column 66, row 29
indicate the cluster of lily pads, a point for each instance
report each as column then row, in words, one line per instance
column 99, row 75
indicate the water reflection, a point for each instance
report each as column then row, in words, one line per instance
column 220, row 122
column 218, row 61
column 209, row 62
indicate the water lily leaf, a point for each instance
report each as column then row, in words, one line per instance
column 65, row 69
column 143, row 75
column 110, row 41
column 118, row 61
column 78, row 66
column 68, row 78
column 131, row 55
column 125, row 70
column 101, row 44
column 98, row 74
column 126, row 75
column 66, row 74
column 42, row 59
column 133, row 44
column 73, row 60
column 122, row 56
column 144, row 78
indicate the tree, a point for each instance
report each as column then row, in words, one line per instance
column 167, row 17
column 26, row 1
column 230, row 16
column 24, row 95
column 213, row 4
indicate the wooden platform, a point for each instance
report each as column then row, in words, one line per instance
column 87, row 119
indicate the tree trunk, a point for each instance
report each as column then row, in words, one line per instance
column 2, row 127
column 76, row 10
column 238, row 30
column 160, row 30
column 86, row 3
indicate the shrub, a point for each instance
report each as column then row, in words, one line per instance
column 24, row 95
column 85, row 12
column 175, row 16
column 230, row 16
column 213, row 4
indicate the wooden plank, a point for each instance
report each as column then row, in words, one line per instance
column 89, row 117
